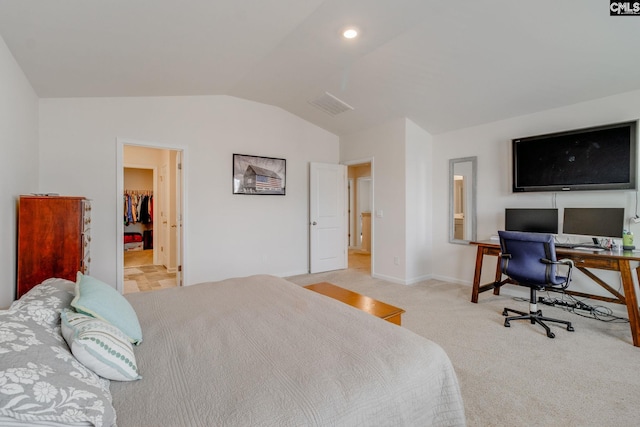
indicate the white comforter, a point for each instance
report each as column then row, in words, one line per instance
column 261, row 351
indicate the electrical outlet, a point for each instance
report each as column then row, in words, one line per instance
column 396, row 260
column 635, row 219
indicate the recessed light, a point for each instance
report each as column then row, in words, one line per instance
column 350, row 33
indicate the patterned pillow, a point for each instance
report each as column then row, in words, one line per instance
column 40, row 380
column 101, row 301
column 44, row 302
column 99, row 346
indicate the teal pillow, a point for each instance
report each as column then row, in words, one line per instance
column 103, row 302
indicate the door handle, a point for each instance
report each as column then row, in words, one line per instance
column 314, row 223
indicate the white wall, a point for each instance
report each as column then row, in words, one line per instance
column 226, row 235
column 492, row 144
column 401, row 153
column 18, row 162
column 419, row 203
column 402, row 191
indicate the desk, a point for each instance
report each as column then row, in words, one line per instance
column 583, row 261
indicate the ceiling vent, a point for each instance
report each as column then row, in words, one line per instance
column 330, row 104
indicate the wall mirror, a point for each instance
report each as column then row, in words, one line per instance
column 462, row 200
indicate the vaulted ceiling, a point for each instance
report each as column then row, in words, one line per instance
column 443, row 64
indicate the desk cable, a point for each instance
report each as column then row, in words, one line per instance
column 579, row 307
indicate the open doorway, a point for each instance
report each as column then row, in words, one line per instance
column 360, row 204
column 150, row 221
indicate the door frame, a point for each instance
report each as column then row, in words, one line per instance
column 371, row 161
column 351, row 222
column 181, row 203
column 359, row 210
column 163, row 220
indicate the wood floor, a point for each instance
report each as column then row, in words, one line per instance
column 141, row 275
column 360, row 260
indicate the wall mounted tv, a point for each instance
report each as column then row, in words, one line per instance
column 596, row 158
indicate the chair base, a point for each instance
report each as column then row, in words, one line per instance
column 534, row 317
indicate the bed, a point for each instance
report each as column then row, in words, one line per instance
column 263, row 351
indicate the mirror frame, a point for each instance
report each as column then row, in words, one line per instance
column 472, row 207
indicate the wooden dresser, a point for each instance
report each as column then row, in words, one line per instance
column 53, row 239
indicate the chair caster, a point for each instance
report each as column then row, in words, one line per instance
column 570, row 328
column 507, row 324
column 551, row 335
column 504, row 312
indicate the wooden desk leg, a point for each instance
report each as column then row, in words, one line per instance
column 477, row 275
column 496, row 289
column 631, row 299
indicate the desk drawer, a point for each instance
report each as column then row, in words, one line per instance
column 594, row 262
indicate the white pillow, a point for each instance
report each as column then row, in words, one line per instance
column 99, row 346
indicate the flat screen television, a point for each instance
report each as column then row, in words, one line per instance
column 537, row 220
column 596, row 158
column 594, row 222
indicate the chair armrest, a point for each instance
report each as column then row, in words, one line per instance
column 561, row 261
column 567, row 262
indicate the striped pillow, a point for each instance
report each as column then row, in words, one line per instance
column 99, row 346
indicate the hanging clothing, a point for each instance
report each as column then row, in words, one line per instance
column 144, row 210
column 138, row 207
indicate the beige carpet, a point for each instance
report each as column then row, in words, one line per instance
column 517, row 376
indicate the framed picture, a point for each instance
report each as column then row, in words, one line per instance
column 259, row 175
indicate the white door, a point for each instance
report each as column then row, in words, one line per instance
column 178, row 228
column 328, row 217
column 164, row 217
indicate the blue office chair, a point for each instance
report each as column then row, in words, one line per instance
column 529, row 259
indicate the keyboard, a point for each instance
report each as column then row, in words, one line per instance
column 580, row 247
column 565, row 245
column 588, row 248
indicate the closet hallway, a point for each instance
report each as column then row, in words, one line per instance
column 142, row 270
column 360, row 260
column 141, row 275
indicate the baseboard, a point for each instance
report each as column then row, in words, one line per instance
column 452, row 280
column 419, row 279
column 388, row 278
column 293, row 273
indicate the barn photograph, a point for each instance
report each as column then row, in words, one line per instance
column 258, row 175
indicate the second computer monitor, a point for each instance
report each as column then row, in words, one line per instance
column 594, row 222
column 531, row 220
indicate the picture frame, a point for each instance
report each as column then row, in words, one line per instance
column 257, row 175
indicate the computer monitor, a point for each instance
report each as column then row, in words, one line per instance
column 537, row 220
column 594, row 222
